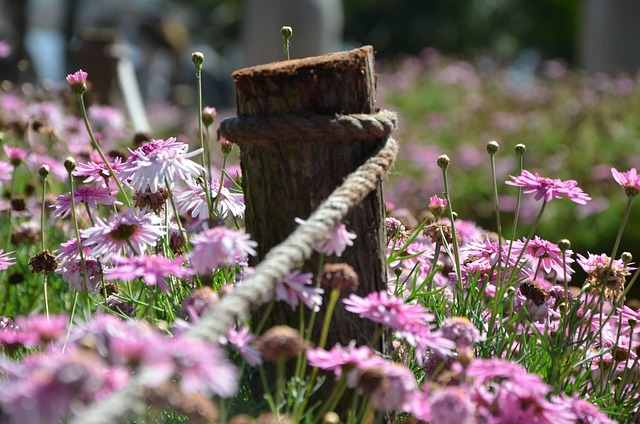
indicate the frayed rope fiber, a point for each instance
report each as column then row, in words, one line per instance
column 289, row 254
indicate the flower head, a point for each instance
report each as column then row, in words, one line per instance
column 389, row 310
column 336, row 240
column 542, row 254
column 549, row 188
column 219, row 246
column 91, row 196
column 153, row 269
column 6, row 260
column 15, row 154
column 158, row 163
column 132, row 232
column 629, row 180
column 297, row 287
column 98, row 171
column 78, row 81
column 193, row 200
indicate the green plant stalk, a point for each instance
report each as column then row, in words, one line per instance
column 42, row 221
column 85, row 118
column 496, row 205
column 623, row 224
column 77, row 231
column 516, row 216
column 205, row 149
column 280, row 382
column 177, row 215
column 333, row 398
column 221, row 182
column 454, row 238
column 12, row 188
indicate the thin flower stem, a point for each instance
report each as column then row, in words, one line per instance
column 616, row 245
column 205, row 147
column 12, row 188
column 221, row 182
column 454, row 238
column 178, row 222
column 46, row 297
column 96, row 146
column 77, row 231
column 496, row 205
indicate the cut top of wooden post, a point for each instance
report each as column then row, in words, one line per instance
column 342, row 82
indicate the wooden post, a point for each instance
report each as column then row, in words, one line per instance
column 289, row 178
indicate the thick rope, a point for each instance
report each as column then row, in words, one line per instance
column 279, row 262
column 311, row 128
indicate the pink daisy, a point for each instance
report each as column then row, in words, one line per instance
column 388, row 310
column 241, row 341
column 6, row 172
column 220, row 246
column 549, row 188
column 543, row 254
column 629, row 180
column 71, row 272
column 6, row 260
column 349, row 359
column 153, row 269
column 297, row 287
column 132, row 232
column 14, row 154
column 91, row 196
column 158, row 162
column 336, row 241
column 78, row 81
column 193, row 201
column 98, row 171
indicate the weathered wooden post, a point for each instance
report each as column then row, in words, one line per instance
column 290, row 176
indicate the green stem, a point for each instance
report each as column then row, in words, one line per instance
column 454, row 238
column 221, row 182
column 496, row 205
column 96, row 146
column 205, row 150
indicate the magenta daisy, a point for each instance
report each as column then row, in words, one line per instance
column 71, row 272
column 132, row 233
column 220, row 246
column 437, row 206
column 193, row 201
column 91, row 196
column 542, row 254
column 98, row 171
column 297, row 287
column 6, row 172
column 389, row 310
column 242, row 341
column 350, row 359
column 78, row 81
column 153, row 269
column 14, row 154
column 6, row 260
column 549, row 188
column 629, row 180
column 158, row 163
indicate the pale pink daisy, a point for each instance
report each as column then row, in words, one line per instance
column 297, row 287
column 6, row 260
column 220, row 246
column 242, row 341
column 336, row 240
column 14, row 154
column 71, row 272
column 629, row 180
column 158, row 163
column 540, row 253
column 549, row 188
column 69, row 249
column 388, row 310
column 194, row 202
column 91, row 196
column 351, row 359
column 437, row 206
column 153, row 269
column 97, row 171
column 132, row 233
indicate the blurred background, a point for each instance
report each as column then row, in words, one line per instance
column 557, row 75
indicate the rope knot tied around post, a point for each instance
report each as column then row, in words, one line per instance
column 311, row 128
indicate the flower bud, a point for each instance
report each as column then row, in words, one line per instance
column 520, row 149
column 286, row 32
column 626, row 257
column 198, row 59
column 493, row 147
column 564, row 245
column 443, row 161
column 78, row 82
column 43, row 172
column 70, row 164
column 209, row 115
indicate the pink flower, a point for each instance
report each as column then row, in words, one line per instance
column 158, row 163
column 5, row 260
column 132, row 232
column 14, row 154
column 586, row 412
column 78, row 81
column 153, row 269
column 336, row 240
column 71, row 272
column 297, row 287
column 388, row 310
column 400, row 385
column 437, row 206
column 543, row 254
column 6, row 172
column 91, row 196
column 241, row 340
column 452, row 405
column 43, row 328
column 351, row 359
column 549, row 188
column 219, row 246
column 629, row 180
column 193, row 201
column 98, row 171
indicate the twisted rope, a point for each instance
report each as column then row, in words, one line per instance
column 311, row 128
column 279, row 262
